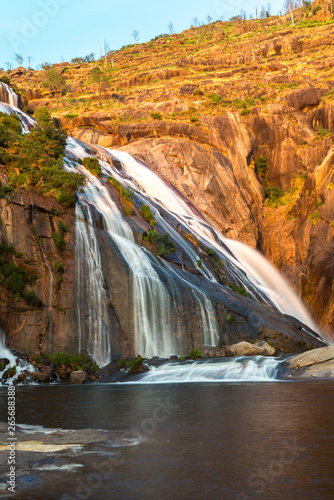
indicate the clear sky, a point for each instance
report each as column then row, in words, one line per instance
column 52, row 30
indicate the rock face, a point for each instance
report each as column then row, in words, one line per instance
column 315, row 364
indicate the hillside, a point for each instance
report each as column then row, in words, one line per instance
column 236, row 115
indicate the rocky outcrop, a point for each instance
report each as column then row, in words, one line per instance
column 247, row 349
column 314, row 364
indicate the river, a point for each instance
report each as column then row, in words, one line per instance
column 224, row 440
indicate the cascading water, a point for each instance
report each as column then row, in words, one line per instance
column 246, row 369
column 156, row 333
column 158, row 329
column 13, row 107
column 91, row 294
column 259, row 271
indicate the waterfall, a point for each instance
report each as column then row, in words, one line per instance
column 155, row 330
column 241, row 368
column 91, row 294
column 50, row 300
column 258, row 270
column 155, row 283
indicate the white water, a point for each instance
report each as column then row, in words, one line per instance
column 260, row 272
column 246, row 369
column 6, row 353
column 13, row 107
column 157, row 329
column 91, row 294
column 155, row 332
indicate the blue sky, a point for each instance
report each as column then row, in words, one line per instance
column 52, row 30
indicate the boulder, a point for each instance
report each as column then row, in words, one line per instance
column 41, row 377
column 78, row 377
column 261, row 348
column 314, row 364
column 310, row 96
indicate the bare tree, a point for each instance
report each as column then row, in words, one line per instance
column 171, row 29
column 9, row 66
column 209, row 19
column 106, row 50
column 268, row 9
column 195, row 22
column 29, row 59
column 256, row 13
column 18, row 58
column 243, row 15
column 289, row 6
column 136, row 37
column 251, row 21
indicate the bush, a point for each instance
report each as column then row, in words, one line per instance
column 35, row 159
column 71, row 116
column 274, row 195
column 155, row 115
column 11, row 122
column 59, row 237
column 229, row 318
column 5, row 79
column 4, row 136
column 134, row 364
column 238, row 289
column 261, row 167
column 93, row 165
column 147, row 215
column 195, row 354
column 165, row 245
column 59, row 267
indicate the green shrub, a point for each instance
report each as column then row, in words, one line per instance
column 5, row 79
column 147, row 215
column 274, row 196
column 71, row 116
column 215, row 98
column 195, row 354
column 93, row 165
column 10, row 372
column 198, row 92
column 238, row 289
column 261, row 167
column 244, row 112
column 121, row 363
column 35, row 159
column 4, row 156
column 59, row 267
column 165, row 245
column 32, row 300
column 2, row 367
column 59, row 236
column 182, row 358
column 126, row 195
column 156, row 115
column 134, row 364
column 4, row 136
column 229, row 318
column 200, row 263
column 11, row 122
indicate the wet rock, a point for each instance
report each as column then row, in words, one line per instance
column 4, row 361
column 41, row 377
column 78, row 377
column 214, row 352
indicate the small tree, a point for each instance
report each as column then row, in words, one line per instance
column 101, row 80
column 29, row 59
column 171, row 28
column 54, row 82
column 289, row 6
column 136, row 37
column 19, row 59
column 9, row 66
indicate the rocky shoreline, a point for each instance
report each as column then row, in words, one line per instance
column 312, row 364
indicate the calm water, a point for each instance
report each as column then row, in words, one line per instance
column 197, row 441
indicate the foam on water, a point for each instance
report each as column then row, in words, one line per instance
column 237, row 369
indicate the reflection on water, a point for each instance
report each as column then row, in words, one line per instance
column 198, row 441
